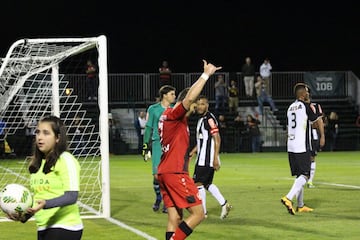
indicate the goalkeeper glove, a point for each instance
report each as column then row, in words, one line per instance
column 145, row 152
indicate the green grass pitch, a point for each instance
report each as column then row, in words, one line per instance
column 252, row 183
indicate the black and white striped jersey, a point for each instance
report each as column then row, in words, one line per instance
column 206, row 127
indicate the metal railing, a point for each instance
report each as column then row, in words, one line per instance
column 140, row 88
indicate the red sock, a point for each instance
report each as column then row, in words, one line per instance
column 181, row 232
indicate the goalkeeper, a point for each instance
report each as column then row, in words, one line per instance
column 152, row 138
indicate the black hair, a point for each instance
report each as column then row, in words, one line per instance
column 202, row 97
column 299, row 87
column 165, row 90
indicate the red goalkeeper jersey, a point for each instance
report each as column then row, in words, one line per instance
column 174, row 138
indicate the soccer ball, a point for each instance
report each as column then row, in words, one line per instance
column 15, row 199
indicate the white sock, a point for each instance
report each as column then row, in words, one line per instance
column 312, row 171
column 203, row 197
column 213, row 189
column 300, row 198
column 297, row 186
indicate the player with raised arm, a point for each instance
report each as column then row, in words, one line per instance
column 177, row 187
column 299, row 115
column 152, row 138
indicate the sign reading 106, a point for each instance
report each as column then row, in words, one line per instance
column 324, row 86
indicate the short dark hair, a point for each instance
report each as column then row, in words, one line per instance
column 202, row 97
column 298, row 87
column 165, row 90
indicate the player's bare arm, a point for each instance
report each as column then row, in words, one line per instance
column 320, row 126
column 217, row 140
column 196, row 88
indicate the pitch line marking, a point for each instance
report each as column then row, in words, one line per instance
column 131, row 229
column 333, row 184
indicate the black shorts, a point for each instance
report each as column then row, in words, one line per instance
column 59, row 234
column 204, row 175
column 300, row 163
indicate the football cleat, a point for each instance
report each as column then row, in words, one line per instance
column 304, row 209
column 164, row 210
column 225, row 209
column 310, row 185
column 288, row 204
column 156, row 206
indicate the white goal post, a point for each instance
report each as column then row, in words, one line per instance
column 32, row 85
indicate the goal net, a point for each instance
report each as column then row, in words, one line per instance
column 34, row 82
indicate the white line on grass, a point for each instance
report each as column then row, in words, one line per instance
column 332, row 184
column 134, row 230
column 339, row 185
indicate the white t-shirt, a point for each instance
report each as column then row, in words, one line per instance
column 265, row 70
column 142, row 122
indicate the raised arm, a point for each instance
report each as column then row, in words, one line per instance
column 196, row 88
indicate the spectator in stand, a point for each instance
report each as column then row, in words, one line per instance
column 91, row 80
column 265, row 73
column 254, row 133
column 220, row 94
column 140, row 124
column 248, row 73
column 233, row 97
column 223, row 133
column 333, row 130
column 263, row 96
column 165, row 74
column 240, row 132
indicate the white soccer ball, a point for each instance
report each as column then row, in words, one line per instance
column 15, row 199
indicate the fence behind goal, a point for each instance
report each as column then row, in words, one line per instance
column 33, row 84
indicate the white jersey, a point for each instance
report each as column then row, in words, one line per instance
column 299, row 114
column 206, row 127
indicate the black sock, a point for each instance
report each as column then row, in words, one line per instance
column 156, row 187
column 168, row 235
column 185, row 228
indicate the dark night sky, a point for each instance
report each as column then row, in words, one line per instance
column 296, row 36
